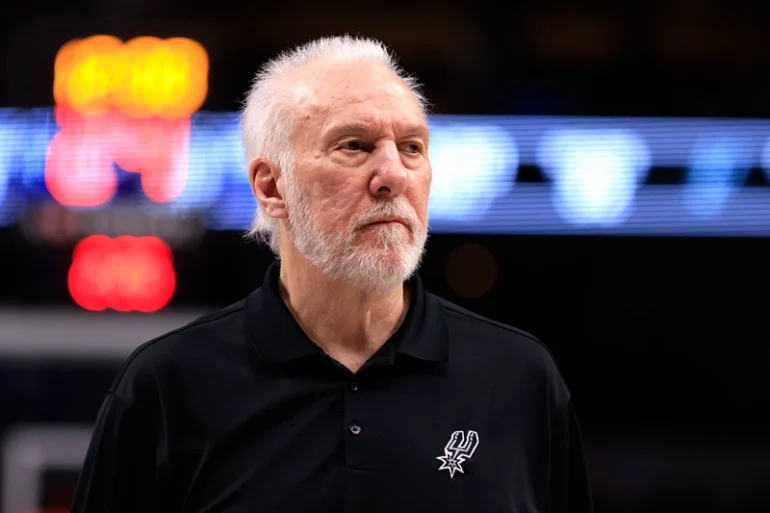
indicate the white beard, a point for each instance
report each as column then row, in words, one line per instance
column 389, row 262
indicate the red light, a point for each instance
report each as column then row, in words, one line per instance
column 124, row 274
column 79, row 169
column 157, row 149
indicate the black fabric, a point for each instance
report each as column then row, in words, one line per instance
column 240, row 412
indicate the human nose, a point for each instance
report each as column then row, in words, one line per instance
column 390, row 176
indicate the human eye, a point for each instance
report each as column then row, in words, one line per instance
column 412, row 147
column 353, row 145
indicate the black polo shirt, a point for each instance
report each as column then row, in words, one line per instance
column 240, row 412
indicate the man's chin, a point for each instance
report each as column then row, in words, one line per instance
column 374, row 271
column 382, row 254
column 378, row 282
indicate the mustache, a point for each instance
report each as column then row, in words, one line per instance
column 387, row 209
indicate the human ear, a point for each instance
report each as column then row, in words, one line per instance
column 263, row 176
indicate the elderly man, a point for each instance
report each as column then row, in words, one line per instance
column 340, row 384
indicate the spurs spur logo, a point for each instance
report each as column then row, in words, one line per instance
column 459, row 448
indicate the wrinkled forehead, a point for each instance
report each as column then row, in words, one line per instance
column 328, row 90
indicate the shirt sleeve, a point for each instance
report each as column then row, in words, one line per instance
column 570, row 485
column 119, row 472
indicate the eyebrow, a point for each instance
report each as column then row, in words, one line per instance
column 346, row 128
column 335, row 131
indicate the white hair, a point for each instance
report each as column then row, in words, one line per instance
column 267, row 124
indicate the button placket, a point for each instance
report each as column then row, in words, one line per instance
column 354, row 428
column 358, row 450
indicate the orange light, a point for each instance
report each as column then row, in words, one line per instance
column 124, row 274
column 127, row 104
column 146, row 76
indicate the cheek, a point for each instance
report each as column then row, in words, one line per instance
column 336, row 198
column 419, row 194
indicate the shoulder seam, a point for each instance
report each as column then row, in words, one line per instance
column 213, row 317
column 113, row 394
column 475, row 317
column 450, row 307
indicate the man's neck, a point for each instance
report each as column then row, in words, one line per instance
column 349, row 324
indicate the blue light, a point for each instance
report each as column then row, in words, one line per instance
column 473, row 165
column 220, row 152
column 718, row 166
column 595, row 173
column 7, row 145
column 595, row 170
column 35, row 127
column 765, row 164
column 236, row 211
column 215, row 152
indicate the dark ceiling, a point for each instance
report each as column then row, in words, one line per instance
column 679, row 58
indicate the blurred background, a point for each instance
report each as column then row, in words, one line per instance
column 602, row 180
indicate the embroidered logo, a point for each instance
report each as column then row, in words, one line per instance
column 459, row 448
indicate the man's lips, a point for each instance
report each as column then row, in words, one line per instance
column 386, row 220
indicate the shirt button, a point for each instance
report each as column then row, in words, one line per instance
column 355, row 430
column 354, row 386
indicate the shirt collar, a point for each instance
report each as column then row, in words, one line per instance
column 277, row 337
